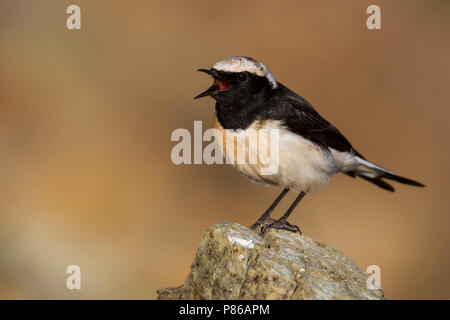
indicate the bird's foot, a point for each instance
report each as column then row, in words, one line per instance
column 261, row 222
column 281, row 224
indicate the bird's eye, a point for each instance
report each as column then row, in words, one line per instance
column 242, row 77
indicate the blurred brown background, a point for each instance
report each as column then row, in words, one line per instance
column 86, row 118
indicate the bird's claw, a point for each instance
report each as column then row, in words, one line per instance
column 261, row 223
column 281, row 225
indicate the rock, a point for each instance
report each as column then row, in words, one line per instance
column 233, row 262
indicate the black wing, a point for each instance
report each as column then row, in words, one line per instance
column 300, row 117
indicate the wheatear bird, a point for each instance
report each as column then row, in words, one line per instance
column 311, row 149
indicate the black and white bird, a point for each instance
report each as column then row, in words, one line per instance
column 311, row 149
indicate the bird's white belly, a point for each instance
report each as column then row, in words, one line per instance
column 302, row 165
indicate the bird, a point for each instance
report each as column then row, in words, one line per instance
column 311, row 149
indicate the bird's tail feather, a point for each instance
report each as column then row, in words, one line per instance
column 375, row 174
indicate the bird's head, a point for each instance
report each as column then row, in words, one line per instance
column 237, row 80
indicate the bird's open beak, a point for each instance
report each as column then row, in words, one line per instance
column 217, row 85
column 206, row 93
column 211, row 72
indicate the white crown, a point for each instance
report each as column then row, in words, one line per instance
column 242, row 64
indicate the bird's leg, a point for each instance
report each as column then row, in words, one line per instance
column 266, row 215
column 282, row 222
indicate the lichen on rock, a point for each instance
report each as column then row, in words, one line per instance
column 233, row 262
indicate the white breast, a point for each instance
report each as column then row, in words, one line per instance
column 302, row 166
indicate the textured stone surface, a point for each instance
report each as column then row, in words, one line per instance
column 233, row 262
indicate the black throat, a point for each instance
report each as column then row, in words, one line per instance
column 235, row 117
column 241, row 116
